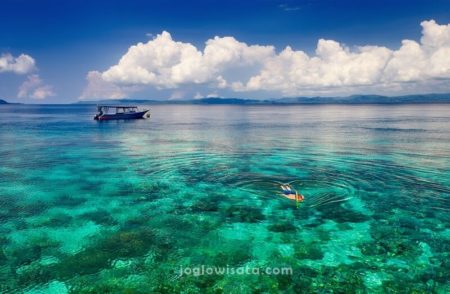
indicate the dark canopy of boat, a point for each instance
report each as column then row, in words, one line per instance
column 106, row 107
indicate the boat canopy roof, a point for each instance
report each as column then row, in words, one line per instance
column 116, row 106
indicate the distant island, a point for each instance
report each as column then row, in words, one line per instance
column 354, row 99
column 4, row 102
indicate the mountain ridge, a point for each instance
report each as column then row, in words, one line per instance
column 353, row 99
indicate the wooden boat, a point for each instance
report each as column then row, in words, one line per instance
column 109, row 112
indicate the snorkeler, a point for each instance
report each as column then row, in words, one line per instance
column 290, row 193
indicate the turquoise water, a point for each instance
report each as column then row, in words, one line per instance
column 123, row 206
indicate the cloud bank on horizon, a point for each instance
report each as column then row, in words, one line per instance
column 228, row 64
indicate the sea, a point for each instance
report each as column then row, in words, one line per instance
column 190, row 200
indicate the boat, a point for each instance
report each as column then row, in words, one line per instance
column 110, row 112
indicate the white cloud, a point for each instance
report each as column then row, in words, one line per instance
column 20, row 65
column 165, row 63
column 334, row 65
column 35, row 88
column 227, row 64
column 429, row 59
column 99, row 88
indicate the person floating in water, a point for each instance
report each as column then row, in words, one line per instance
column 290, row 193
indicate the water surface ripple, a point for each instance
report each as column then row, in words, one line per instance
column 121, row 206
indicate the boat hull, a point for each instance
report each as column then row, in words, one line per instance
column 134, row 115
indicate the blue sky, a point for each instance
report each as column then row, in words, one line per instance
column 68, row 39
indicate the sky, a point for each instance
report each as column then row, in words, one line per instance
column 67, row 51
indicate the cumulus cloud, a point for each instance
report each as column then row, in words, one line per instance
column 20, row 65
column 337, row 66
column 165, row 63
column 35, row 88
column 226, row 63
column 97, row 87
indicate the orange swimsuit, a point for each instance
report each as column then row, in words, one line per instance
column 296, row 197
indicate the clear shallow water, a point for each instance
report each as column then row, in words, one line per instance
column 122, row 206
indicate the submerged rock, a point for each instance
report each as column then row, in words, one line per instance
column 69, row 201
column 340, row 214
column 282, row 227
column 244, row 214
column 210, row 204
column 123, row 244
column 308, row 251
column 99, row 216
column 54, row 221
